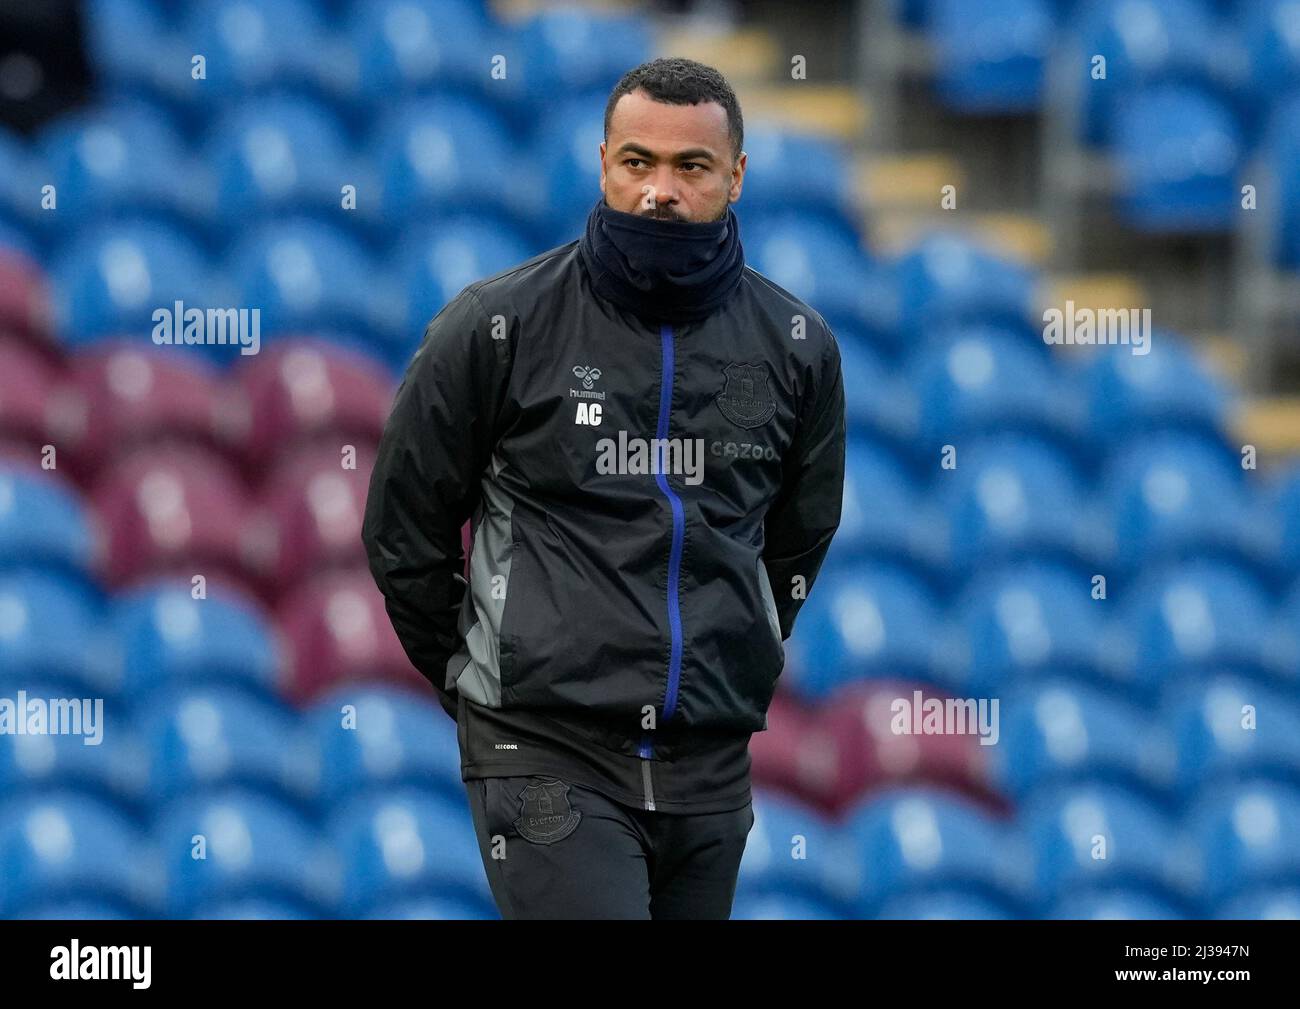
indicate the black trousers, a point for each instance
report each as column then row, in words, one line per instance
column 553, row 849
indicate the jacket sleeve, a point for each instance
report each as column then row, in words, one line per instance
column 436, row 444
column 803, row 518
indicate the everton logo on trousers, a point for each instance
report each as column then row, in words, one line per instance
column 746, row 400
column 545, row 814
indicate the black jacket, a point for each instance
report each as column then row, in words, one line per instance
column 640, row 612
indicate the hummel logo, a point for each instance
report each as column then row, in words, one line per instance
column 588, row 374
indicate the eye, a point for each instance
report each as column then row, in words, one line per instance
column 690, row 163
column 629, row 161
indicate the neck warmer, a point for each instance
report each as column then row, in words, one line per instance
column 672, row 271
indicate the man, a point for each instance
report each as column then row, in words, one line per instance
column 649, row 438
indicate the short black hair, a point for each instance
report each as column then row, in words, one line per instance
column 675, row 80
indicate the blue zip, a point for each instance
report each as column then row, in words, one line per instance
column 679, row 530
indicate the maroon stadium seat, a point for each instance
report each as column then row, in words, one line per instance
column 25, row 310
column 170, row 510
column 26, row 387
column 337, row 631
column 120, row 396
column 305, row 391
column 310, row 519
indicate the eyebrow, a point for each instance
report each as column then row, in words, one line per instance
column 692, row 154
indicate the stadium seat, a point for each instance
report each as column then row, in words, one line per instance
column 435, row 908
column 44, row 524
column 407, row 844
column 26, row 309
column 989, row 57
column 26, row 385
column 112, row 280
column 1281, row 154
column 33, row 600
column 1265, row 904
column 1011, row 497
column 1177, row 151
column 121, row 395
column 1247, row 839
column 202, row 738
column 173, row 511
column 169, row 639
column 310, row 392
column 338, row 631
column 922, row 840
column 781, row 907
column 310, row 514
column 1116, row 905
column 944, row 905
column 402, row 47
column 1230, row 731
column 63, row 847
column 862, row 622
column 1189, row 620
column 879, row 405
column 797, row 171
column 1023, row 621
column 1097, row 837
column 1062, row 733
column 792, row 851
column 248, row 847
column 372, row 737
column 946, row 279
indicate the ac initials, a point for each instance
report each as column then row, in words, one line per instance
column 588, row 413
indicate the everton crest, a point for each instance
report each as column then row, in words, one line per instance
column 746, row 400
column 545, row 813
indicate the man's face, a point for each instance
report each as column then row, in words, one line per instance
column 671, row 162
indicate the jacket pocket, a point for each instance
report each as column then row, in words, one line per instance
column 769, row 604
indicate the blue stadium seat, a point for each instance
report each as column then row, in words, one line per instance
column 124, row 159
column 1284, row 498
column 168, row 638
column 256, row 47
column 437, row 261
column 251, row 847
column 1247, row 839
column 61, row 847
column 926, row 840
column 1173, row 496
column 308, row 276
column 1281, row 153
column 43, row 523
column 989, row 56
column 405, row 46
column 1166, row 388
column 75, row 659
column 947, row 279
column 974, row 380
column 207, row 737
column 1177, row 149
column 1221, row 743
column 1272, row 44
column 111, row 279
column 1143, row 41
column 407, row 844
column 792, row 852
column 135, row 51
column 79, row 910
column 1013, row 497
column 1062, row 733
column 567, row 49
column 797, row 171
column 1190, row 620
column 284, row 155
column 814, row 258
column 448, row 152
column 111, row 769
column 567, row 147
column 862, row 622
column 878, row 403
column 1098, row 837
column 1024, row 621
column 377, row 737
